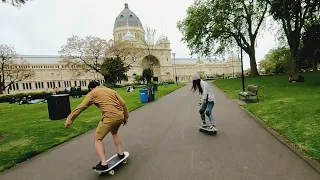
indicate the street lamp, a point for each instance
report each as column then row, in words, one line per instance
column 175, row 69
column 238, row 12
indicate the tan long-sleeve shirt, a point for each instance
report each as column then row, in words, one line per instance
column 110, row 103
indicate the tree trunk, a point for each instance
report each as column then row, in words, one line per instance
column 110, row 82
column 294, row 42
column 316, row 60
column 253, row 66
column 2, row 89
column 253, row 63
column 294, row 64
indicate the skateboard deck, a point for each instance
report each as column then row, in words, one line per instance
column 113, row 162
column 208, row 130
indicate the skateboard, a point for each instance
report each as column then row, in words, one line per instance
column 113, row 162
column 209, row 131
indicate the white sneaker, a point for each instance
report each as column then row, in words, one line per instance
column 213, row 127
column 203, row 125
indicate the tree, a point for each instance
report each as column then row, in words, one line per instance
column 267, row 66
column 293, row 15
column 11, row 70
column 114, row 70
column 123, row 50
column 147, row 75
column 93, row 54
column 310, row 51
column 281, row 57
column 150, row 48
column 86, row 55
column 138, row 79
column 16, row 3
column 219, row 25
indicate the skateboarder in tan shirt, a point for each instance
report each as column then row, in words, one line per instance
column 114, row 112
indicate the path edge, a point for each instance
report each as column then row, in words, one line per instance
column 302, row 155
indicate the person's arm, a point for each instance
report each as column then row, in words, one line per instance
column 88, row 100
column 205, row 92
column 123, row 104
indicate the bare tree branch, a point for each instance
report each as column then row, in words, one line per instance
column 12, row 70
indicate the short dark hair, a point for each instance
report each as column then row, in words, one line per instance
column 93, row 84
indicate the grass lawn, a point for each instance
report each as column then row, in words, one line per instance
column 28, row 130
column 292, row 109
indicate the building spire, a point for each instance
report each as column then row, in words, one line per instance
column 126, row 4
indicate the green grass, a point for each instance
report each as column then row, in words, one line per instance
column 28, row 130
column 292, row 109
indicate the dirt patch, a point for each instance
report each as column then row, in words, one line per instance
column 2, row 137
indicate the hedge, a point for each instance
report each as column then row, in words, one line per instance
column 44, row 95
column 38, row 95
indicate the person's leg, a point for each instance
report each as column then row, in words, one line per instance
column 209, row 112
column 98, row 144
column 118, row 143
column 201, row 111
column 102, row 130
column 116, row 138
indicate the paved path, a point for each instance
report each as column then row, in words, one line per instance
column 165, row 144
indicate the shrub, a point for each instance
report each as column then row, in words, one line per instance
column 38, row 95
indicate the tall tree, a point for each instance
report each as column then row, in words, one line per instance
column 94, row 55
column 267, row 66
column 16, row 3
column 281, row 57
column 85, row 55
column 310, row 51
column 293, row 15
column 147, row 75
column 221, row 24
column 151, row 48
column 12, row 70
column 127, row 51
column 114, row 70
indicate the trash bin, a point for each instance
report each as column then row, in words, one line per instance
column 143, row 95
column 58, row 106
column 165, row 85
column 150, row 94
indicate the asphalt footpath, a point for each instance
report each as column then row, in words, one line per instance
column 165, row 144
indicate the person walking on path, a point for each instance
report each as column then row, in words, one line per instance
column 114, row 112
column 207, row 100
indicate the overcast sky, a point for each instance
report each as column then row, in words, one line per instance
column 41, row 27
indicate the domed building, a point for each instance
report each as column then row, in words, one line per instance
column 128, row 27
column 51, row 72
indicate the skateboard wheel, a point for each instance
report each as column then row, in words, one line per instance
column 99, row 173
column 125, row 161
column 111, row 172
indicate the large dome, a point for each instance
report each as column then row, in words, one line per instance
column 127, row 16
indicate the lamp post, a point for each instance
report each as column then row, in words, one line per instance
column 175, row 69
column 239, row 11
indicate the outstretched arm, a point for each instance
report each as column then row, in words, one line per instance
column 88, row 100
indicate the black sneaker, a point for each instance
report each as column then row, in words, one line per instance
column 94, row 167
column 121, row 156
column 100, row 167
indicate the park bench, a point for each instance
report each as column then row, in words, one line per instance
column 252, row 91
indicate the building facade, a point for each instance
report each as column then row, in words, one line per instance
column 52, row 72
